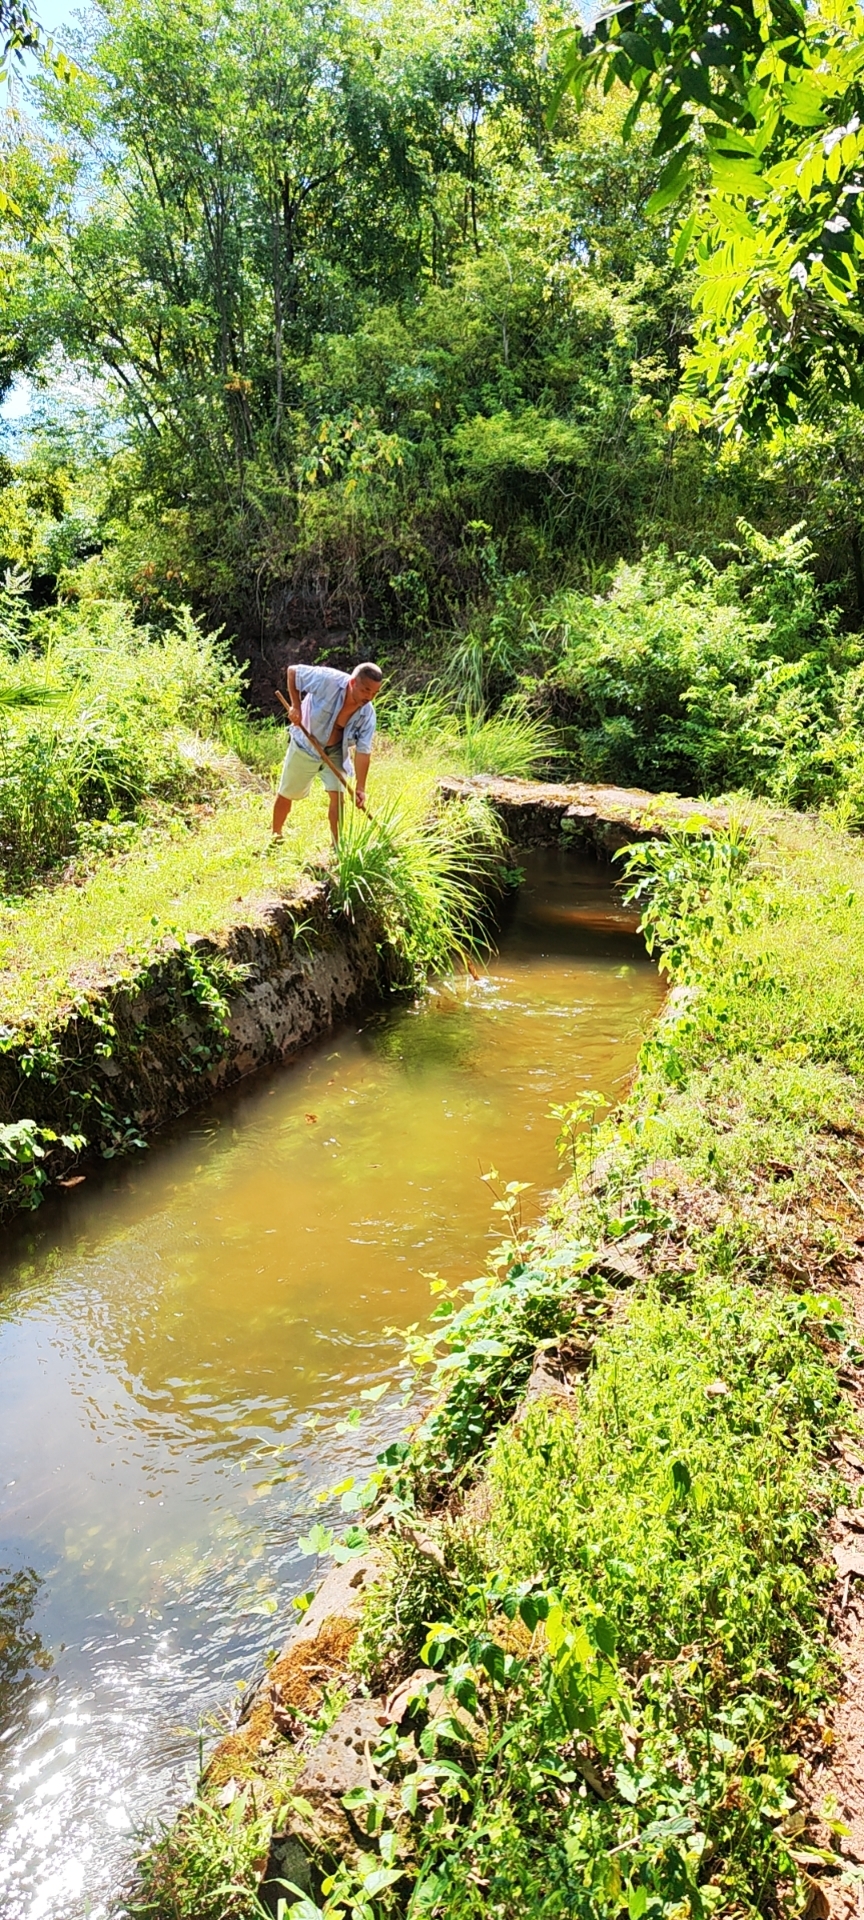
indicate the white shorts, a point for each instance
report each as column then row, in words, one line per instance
column 300, row 768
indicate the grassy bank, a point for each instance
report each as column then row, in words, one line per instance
column 135, row 794
column 129, row 931
column 599, row 1644
column 189, row 871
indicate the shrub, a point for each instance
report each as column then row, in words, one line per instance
column 93, row 714
column 684, row 677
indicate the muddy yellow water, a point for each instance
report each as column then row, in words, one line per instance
column 182, row 1340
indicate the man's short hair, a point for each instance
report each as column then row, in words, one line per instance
column 367, row 670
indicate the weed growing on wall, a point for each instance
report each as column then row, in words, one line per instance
column 203, row 1868
column 426, row 877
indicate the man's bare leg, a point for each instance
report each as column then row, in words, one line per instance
column 281, row 810
column 335, row 811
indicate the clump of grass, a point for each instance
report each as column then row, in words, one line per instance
column 423, row 875
column 413, row 1589
column 206, row 1866
column 511, row 742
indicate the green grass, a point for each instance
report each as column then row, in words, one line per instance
column 634, row 1606
column 426, row 875
column 512, row 742
column 656, row 1547
column 207, row 1865
column 196, row 874
column 197, row 877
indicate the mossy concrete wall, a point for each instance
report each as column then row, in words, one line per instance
column 599, row 820
column 196, row 1017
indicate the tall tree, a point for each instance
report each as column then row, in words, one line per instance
column 247, row 177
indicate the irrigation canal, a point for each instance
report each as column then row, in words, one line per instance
column 183, row 1337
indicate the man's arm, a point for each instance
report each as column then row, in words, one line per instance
column 361, row 775
column 294, row 696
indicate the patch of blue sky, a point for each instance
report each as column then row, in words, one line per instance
column 66, row 404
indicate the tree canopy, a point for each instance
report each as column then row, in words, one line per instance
column 382, row 321
column 759, row 122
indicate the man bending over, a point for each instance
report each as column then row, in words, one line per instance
column 336, row 708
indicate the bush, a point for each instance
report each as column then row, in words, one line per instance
column 94, row 716
column 685, row 677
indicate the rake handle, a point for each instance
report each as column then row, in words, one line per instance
column 325, row 757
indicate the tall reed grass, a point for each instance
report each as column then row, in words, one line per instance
column 427, row 877
column 510, row 742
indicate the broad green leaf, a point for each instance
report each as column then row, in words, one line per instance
column 681, row 1478
column 803, row 103
column 736, row 176
column 318, row 1540
column 684, row 238
column 664, row 196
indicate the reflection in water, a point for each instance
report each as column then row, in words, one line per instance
column 21, row 1650
column 180, row 1339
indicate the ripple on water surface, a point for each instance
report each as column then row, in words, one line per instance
column 182, row 1340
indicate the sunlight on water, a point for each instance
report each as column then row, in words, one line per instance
column 180, row 1337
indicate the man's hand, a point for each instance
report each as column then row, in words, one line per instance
column 296, row 715
column 360, row 798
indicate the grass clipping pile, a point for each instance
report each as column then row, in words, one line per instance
column 605, row 1599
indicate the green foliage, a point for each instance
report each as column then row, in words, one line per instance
column 683, row 677
column 430, row 316
column 425, row 876
column 206, row 1866
column 769, row 138
column 96, row 717
column 413, row 1589
column 24, row 1147
column 575, row 1116
column 692, row 887
column 479, row 1356
column 730, row 1385
column 632, row 1628
column 511, row 741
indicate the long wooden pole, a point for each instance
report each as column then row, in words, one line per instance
column 322, row 755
